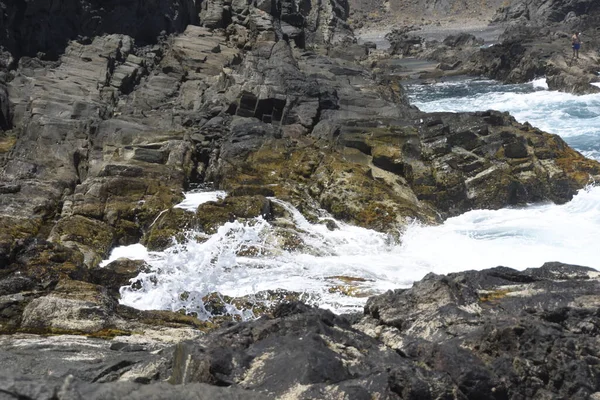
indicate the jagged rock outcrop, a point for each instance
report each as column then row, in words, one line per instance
column 333, row 359
column 492, row 334
column 536, row 43
column 422, row 164
column 524, row 53
column 529, row 52
column 499, row 333
column 102, row 133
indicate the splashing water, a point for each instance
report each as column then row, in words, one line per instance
column 338, row 269
column 194, row 198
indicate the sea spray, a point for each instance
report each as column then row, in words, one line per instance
column 336, row 265
column 196, row 197
column 339, row 268
column 243, row 258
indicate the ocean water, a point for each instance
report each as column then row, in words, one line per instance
column 575, row 118
column 339, row 269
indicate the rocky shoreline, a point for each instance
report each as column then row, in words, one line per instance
column 108, row 116
column 525, row 41
column 493, row 334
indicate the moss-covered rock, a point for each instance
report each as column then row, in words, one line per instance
column 168, row 226
column 159, row 318
column 210, row 216
column 129, row 204
column 381, row 173
column 7, row 142
column 82, row 308
column 13, row 232
column 91, row 237
column 46, row 262
column 313, row 176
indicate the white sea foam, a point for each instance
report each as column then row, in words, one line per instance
column 555, row 112
column 540, row 83
column 517, row 238
column 195, row 198
column 244, row 258
column 133, row 252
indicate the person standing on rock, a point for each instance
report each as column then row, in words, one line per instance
column 576, row 44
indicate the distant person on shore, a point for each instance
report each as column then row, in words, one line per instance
column 576, row 44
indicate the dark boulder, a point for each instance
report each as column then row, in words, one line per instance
column 463, row 40
column 305, row 351
column 527, row 333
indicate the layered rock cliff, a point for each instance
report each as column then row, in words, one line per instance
column 107, row 136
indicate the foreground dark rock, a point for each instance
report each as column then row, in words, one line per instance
column 499, row 333
column 494, row 334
